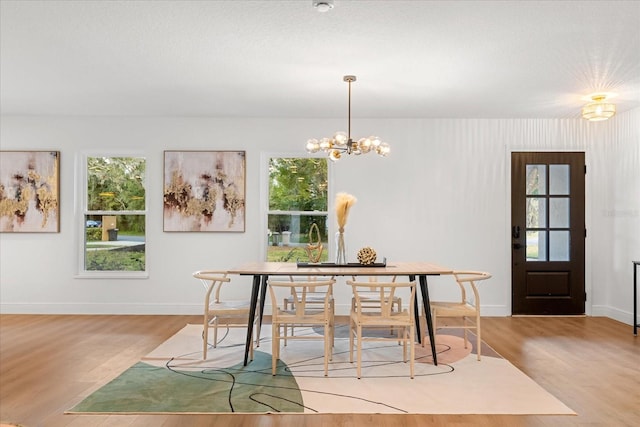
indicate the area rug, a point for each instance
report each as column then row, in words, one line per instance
column 174, row 379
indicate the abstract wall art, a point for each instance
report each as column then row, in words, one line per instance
column 204, row 191
column 29, row 191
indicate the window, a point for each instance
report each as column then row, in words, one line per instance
column 114, row 215
column 297, row 200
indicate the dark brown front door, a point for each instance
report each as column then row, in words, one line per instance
column 547, row 233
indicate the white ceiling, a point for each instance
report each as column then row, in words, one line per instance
column 473, row 59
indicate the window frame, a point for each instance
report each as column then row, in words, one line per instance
column 264, row 198
column 81, row 212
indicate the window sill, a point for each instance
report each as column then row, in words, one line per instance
column 112, row 275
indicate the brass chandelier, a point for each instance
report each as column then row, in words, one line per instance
column 341, row 142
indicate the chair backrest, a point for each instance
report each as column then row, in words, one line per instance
column 299, row 290
column 311, row 279
column 386, row 291
column 470, row 277
column 212, row 281
column 374, row 279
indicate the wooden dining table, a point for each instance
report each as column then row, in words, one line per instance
column 262, row 270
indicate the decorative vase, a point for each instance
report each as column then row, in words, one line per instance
column 341, row 253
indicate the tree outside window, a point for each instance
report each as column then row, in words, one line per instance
column 297, row 200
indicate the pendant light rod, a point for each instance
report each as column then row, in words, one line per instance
column 349, row 79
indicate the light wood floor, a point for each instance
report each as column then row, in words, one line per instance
column 49, row 362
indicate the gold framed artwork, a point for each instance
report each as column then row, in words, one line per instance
column 29, row 191
column 204, row 191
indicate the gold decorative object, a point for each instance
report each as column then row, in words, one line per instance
column 314, row 247
column 344, row 202
column 367, row 256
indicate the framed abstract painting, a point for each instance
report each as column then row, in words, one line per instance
column 204, row 191
column 29, row 191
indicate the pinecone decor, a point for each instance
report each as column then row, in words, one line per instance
column 367, row 256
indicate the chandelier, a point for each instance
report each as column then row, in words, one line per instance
column 598, row 109
column 341, row 142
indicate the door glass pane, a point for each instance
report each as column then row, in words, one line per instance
column 559, row 179
column 559, row 212
column 536, row 245
column 536, row 179
column 536, row 212
column 559, row 245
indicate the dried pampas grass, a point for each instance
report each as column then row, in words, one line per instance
column 344, row 202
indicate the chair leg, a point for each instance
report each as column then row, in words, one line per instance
column 285, row 330
column 351, row 332
column 275, row 345
column 205, row 338
column 215, row 332
column 251, row 352
column 404, row 339
column 412, row 349
column 327, row 348
column 479, row 339
column 466, row 335
column 257, row 323
column 333, row 325
column 359, row 350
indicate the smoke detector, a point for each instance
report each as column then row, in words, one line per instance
column 323, row 5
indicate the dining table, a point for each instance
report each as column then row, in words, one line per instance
column 261, row 271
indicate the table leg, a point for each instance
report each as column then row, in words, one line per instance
column 252, row 315
column 635, row 297
column 424, row 289
column 263, row 295
column 416, row 312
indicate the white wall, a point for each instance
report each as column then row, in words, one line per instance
column 442, row 195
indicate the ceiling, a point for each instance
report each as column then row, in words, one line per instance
column 412, row 59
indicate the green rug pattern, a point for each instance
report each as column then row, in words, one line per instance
column 153, row 389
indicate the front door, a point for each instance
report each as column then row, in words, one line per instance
column 547, row 233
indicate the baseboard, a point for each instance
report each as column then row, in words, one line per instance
column 196, row 309
column 622, row 316
column 160, row 309
column 90, row 308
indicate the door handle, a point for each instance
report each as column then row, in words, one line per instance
column 517, row 246
column 515, row 231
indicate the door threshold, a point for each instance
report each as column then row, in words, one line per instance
column 548, row 315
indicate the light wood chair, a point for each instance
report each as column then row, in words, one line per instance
column 371, row 298
column 220, row 313
column 467, row 307
column 315, row 297
column 305, row 312
column 377, row 316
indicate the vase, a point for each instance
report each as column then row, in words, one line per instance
column 341, row 253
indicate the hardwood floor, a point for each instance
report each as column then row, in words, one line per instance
column 49, row 362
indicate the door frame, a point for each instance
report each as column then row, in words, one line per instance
column 588, row 209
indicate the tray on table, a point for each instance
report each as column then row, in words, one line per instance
column 347, row 265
